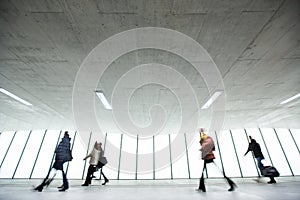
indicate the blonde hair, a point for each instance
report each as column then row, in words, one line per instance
column 203, row 137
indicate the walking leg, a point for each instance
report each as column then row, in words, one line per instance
column 45, row 182
column 201, row 184
column 89, row 175
column 272, row 180
column 105, row 179
column 229, row 181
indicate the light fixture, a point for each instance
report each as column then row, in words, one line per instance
column 211, row 99
column 291, row 99
column 15, row 97
column 103, row 99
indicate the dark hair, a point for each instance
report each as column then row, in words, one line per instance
column 66, row 133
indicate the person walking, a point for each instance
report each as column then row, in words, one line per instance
column 62, row 154
column 255, row 148
column 207, row 148
column 97, row 161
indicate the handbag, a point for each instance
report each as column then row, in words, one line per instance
column 103, row 161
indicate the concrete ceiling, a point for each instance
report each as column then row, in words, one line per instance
column 254, row 45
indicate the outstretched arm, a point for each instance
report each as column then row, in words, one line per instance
column 87, row 157
column 249, row 149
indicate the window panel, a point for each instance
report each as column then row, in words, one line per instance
column 87, row 150
column 46, row 154
column 128, row 158
column 112, row 152
column 248, row 165
column 145, row 158
column 180, row 168
column 145, row 154
column 228, row 154
column 296, row 135
column 162, row 157
column 78, row 152
column 5, row 139
column 13, row 155
column 29, row 155
column 195, row 161
column 290, row 149
column 275, row 151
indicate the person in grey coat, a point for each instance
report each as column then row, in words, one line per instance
column 62, row 154
column 96, row 161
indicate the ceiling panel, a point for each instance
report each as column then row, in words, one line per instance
column 254, row 44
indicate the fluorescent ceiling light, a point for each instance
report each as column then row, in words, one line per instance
column 103, row 99
column 15, row 97
column 211, row 99
column 291, row 99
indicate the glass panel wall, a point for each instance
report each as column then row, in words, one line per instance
column 45, row 156
column 112, row 153
column 179, row 159
column 76, row 166
column 290, row 150
column 162, row 157
column 247, row 163
column 228, row 154
column 145, row 158
column 128, row 157
column 276, row 154
column 195, row 161
column 296, row 136
column 5, row 140
column 30, row 155
column 13, row 155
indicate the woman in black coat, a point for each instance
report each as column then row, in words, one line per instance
column 62, row 154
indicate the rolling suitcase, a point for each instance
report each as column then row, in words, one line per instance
column 269, row 171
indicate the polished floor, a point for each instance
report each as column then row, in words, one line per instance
column 248, row 189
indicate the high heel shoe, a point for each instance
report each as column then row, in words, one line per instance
column 202, row 185
column 232, row 187
column 231, row 184
column 39, row 188
column 106, row 181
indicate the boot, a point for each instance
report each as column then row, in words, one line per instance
column 231, row 184
column 105, row 181
column 39, row 188
column 272, row 180
column 202, row 185
column 63, row 189
column 86, row 183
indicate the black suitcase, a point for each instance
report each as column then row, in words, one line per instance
column 269, row 171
